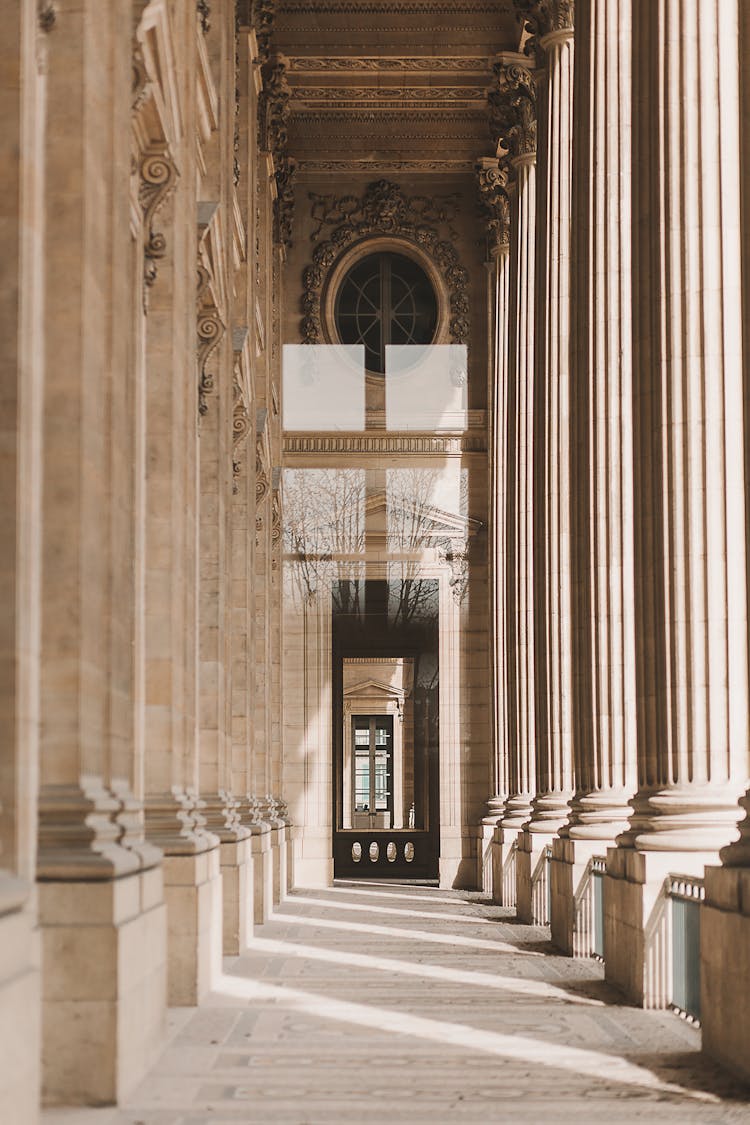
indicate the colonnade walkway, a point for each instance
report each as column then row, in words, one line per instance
column 378, row 1004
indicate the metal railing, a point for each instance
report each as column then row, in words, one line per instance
column 541, row 889
column 686, row 893
column 509, row 876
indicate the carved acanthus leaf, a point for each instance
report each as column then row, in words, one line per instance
column 492, row 180
column 204, row 15
column 512, row 108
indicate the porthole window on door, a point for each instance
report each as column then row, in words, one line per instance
column 385, row 298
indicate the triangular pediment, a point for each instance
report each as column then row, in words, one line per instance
column 374, row 688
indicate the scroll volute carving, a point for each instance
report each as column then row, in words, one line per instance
column 158, row 177
column 262, row 458
column 492, row 181
column 240, row 402
column 512, row 106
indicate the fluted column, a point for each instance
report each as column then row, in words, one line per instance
column 725, row 917
column 601, row 425
column 493, row 190
column 690, row 548
column 691, row 538
column 554, row 760
column 604, row 612
column 514, row 106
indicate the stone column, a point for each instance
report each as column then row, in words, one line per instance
column 690, row 548
column 513, row 106
column 493, row 189
column 601, row 425
column 215, row 351
column 553, row 26
column 173, row 815
column 100, row 894
column 22, row 111
column 725, row 919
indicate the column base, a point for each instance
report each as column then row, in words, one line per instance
column 192, row 885
column 637, row 956
column 486, row 872
column 278, row 863
column 314, row 858
column 571, row 894
column 504, row 846
column 20, row 1022
column 237, row 886
column 260, row 847
column 459, row 858
column 532, row 878
column 104, row 1013
column 725, row 968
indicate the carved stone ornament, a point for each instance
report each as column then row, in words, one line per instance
column 260, row 15
column 240, row 427
column 47, row 15
column 542, row 17
column 512, row 107
column 210, row 331
column 204, row 15
column 384, row 209
column 492, row 180
column 274, row 111
column 454, row 554
column 158, row 177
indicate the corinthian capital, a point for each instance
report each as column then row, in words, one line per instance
column 513, row 109
column 492, row 181
column 543, row 17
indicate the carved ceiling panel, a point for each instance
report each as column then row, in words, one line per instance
column 391, row 83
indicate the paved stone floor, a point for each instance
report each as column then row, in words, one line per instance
column 383, row 1004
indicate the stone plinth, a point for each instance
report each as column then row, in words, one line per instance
column 237, row 888
column 19, row 1005
column 531, row 850
column 260, row 847
column 637, row 954
column 725, row 968
column 193, row 894
column 104, row 953
column 569, row 915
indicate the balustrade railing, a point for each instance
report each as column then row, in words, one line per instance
column 509, row 876
column 541, row 889
column 686, row 893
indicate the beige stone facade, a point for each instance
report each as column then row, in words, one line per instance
column 452, row 591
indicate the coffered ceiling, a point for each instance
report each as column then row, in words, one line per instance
column 390, row 86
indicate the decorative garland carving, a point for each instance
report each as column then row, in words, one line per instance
column 158, row 177
column 395, row 7
column 210, row 331
column 512, row 109
column 492, row 180
column 262, row 17
column 384, row 209
column 204, row 15
column 274, row 111
column 47, row 16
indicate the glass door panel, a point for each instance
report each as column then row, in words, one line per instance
column 373, row 771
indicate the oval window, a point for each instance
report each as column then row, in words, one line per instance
column 385, row 298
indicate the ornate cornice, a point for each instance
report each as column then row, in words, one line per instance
column 512, row 107
column 394, row 7
column 374, row 444
column 492, row 181
column 367, row 64
column 384, row 209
